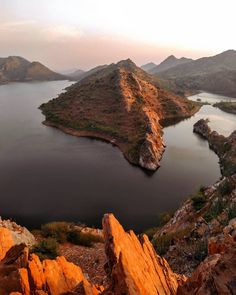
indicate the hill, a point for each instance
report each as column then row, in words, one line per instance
column 168, row 63
column 149, row 66
column 80, row 74
column 15, row 68
column 122, row 104
column 215, row 74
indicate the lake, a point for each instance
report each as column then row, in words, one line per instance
column 47, row 175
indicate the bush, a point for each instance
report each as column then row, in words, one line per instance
column 200, row 250
column 47, row 248
column 83, row 239
column 216, row 208
column 57, row 230
column 226, row 187
column 232, row 212
column 198, row 200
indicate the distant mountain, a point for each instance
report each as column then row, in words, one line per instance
column 216, row 74
column 69, row 72
column 15, row 68
column 80, row 74
column 149, row 66
column 168, row 63
column 122, row 104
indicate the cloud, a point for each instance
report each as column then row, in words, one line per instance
column 61, row 32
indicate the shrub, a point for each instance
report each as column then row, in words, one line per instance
column 226, row 187
column 200, row 250
column 83, row 239
column 216, row 208
column 57, row 230
column 232, row 212
column 150, row 232
column 47, row 248
column 198, row 200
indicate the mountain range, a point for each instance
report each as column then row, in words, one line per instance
column 15, row 68
column 122, row 104
column 216, row 74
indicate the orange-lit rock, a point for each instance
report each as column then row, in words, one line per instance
column 24, row 280
column 6, row 241
column 36, row 272
column 135, row 267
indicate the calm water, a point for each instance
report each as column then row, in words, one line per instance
column 48, row 175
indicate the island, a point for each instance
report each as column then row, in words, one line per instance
column 121, row 104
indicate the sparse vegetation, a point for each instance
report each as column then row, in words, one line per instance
column 62, row 232
column 198, row 200
column 47, row 248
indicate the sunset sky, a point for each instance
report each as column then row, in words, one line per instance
column 66, row 34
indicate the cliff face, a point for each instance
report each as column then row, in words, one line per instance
column 122, row 104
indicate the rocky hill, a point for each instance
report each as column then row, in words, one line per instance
column 215, row 74
column 15, row 68
column 122, row 104
column 170, row 62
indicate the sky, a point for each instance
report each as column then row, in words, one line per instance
column 68, row 34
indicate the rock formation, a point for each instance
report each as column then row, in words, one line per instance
column 122, row 104
column 134, row 266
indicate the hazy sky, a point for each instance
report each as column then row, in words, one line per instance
column 83, row 33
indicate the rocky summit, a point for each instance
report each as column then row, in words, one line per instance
column 121, row 104
column 133, row 268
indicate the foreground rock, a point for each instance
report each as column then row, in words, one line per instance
column 121, row 104
column 26, row 274
column 13, row 234
column 134, row 266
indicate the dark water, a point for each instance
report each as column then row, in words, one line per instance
column 48, row 175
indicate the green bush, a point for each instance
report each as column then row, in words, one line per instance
column 83, row 239
column 200, row 250
column 226, row 187
column 47, row 248
column 198, row 200
column 57, row 230
column 216, row 208
column 232, row 212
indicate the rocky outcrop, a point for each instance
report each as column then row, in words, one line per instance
column 26, row 274
column 134, row 266
column 13, row 234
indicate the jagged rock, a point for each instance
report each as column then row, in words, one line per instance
column 215, row 275
column 26, row 275
column 135, row 267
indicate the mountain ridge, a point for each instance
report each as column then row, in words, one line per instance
column 16, row 68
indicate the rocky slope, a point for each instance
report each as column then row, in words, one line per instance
column 216, row 74
column 208, row 218
column 133, row 268
column 15, row 68
column 122, row 104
